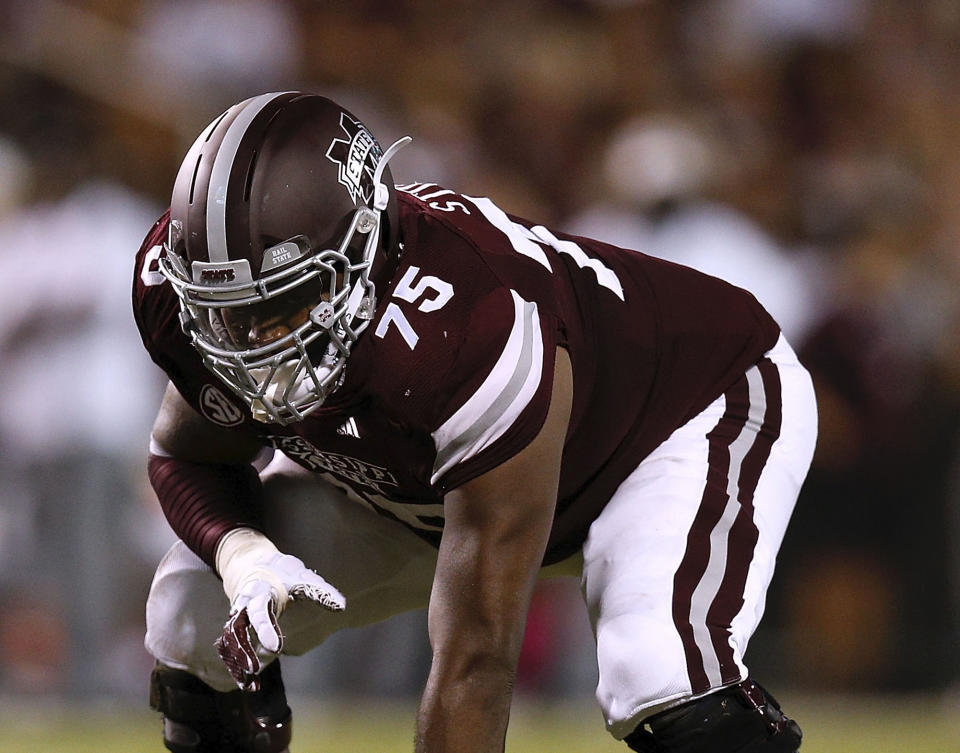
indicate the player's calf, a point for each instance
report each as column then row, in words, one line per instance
column 199, row 719
column 743, row 718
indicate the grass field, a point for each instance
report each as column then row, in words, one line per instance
column 833, row 725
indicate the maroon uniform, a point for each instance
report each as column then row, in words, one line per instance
column 454, row 375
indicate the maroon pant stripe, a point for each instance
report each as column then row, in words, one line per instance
column 714, row 500
column 743, row 536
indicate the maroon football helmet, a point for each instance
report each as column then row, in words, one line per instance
column 283, row 219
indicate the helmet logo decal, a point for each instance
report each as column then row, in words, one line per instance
column 277, row 256
column 216, row 407
column 357, row 157
column 217, row 275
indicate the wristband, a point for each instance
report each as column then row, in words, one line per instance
column 240, row 556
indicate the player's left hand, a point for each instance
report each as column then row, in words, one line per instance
column 259, row 599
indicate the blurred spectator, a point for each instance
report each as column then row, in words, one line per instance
column 875, row 525
column 69, row 345
column 231, row 47
column 659, row 168
column 81, row 407
column 745, row 30
column 14, row 177
column 34, row 639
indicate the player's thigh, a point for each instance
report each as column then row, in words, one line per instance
column 677, row 566
column 631, row 556
column 779, row 485
column 185, row 612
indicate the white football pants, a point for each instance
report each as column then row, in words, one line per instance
column 674, row 571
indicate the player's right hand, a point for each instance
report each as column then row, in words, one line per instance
column 257, row 599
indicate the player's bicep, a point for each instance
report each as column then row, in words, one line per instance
column 183, row 433
column 495, row 534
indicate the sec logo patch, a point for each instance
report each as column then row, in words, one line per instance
column 218, row 408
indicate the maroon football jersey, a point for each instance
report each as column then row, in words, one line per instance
column 454, row 375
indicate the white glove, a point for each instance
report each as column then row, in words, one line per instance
column 260, row 580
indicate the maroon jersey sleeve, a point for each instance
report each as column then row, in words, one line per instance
column 147, row 305
column 499, row 388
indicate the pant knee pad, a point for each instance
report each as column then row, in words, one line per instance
column 743, row 718
column 199, row 719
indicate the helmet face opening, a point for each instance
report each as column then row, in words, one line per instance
column 280, row 342
column 277, row 222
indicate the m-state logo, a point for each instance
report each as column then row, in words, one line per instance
column 357, row 157
column 359, row 472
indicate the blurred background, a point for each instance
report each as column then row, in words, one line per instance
column 804, row 149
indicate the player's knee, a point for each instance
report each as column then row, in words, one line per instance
column 636, row 674
column 743, row 718
column 185, row 612
column 199, row 719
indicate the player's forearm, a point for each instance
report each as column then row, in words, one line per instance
column 467, row 712
column 204, row 502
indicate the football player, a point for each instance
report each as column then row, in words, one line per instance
column 387, row 397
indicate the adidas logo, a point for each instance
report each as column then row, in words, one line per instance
column 349, row 429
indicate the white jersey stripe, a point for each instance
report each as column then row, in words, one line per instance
column 605, row 276
column 220, row 175
column 435, row 194
column 411, row 188
column 708, row 587
column 519, row 236
column 497, row 403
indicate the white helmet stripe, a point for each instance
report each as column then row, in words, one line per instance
column 220, row 175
